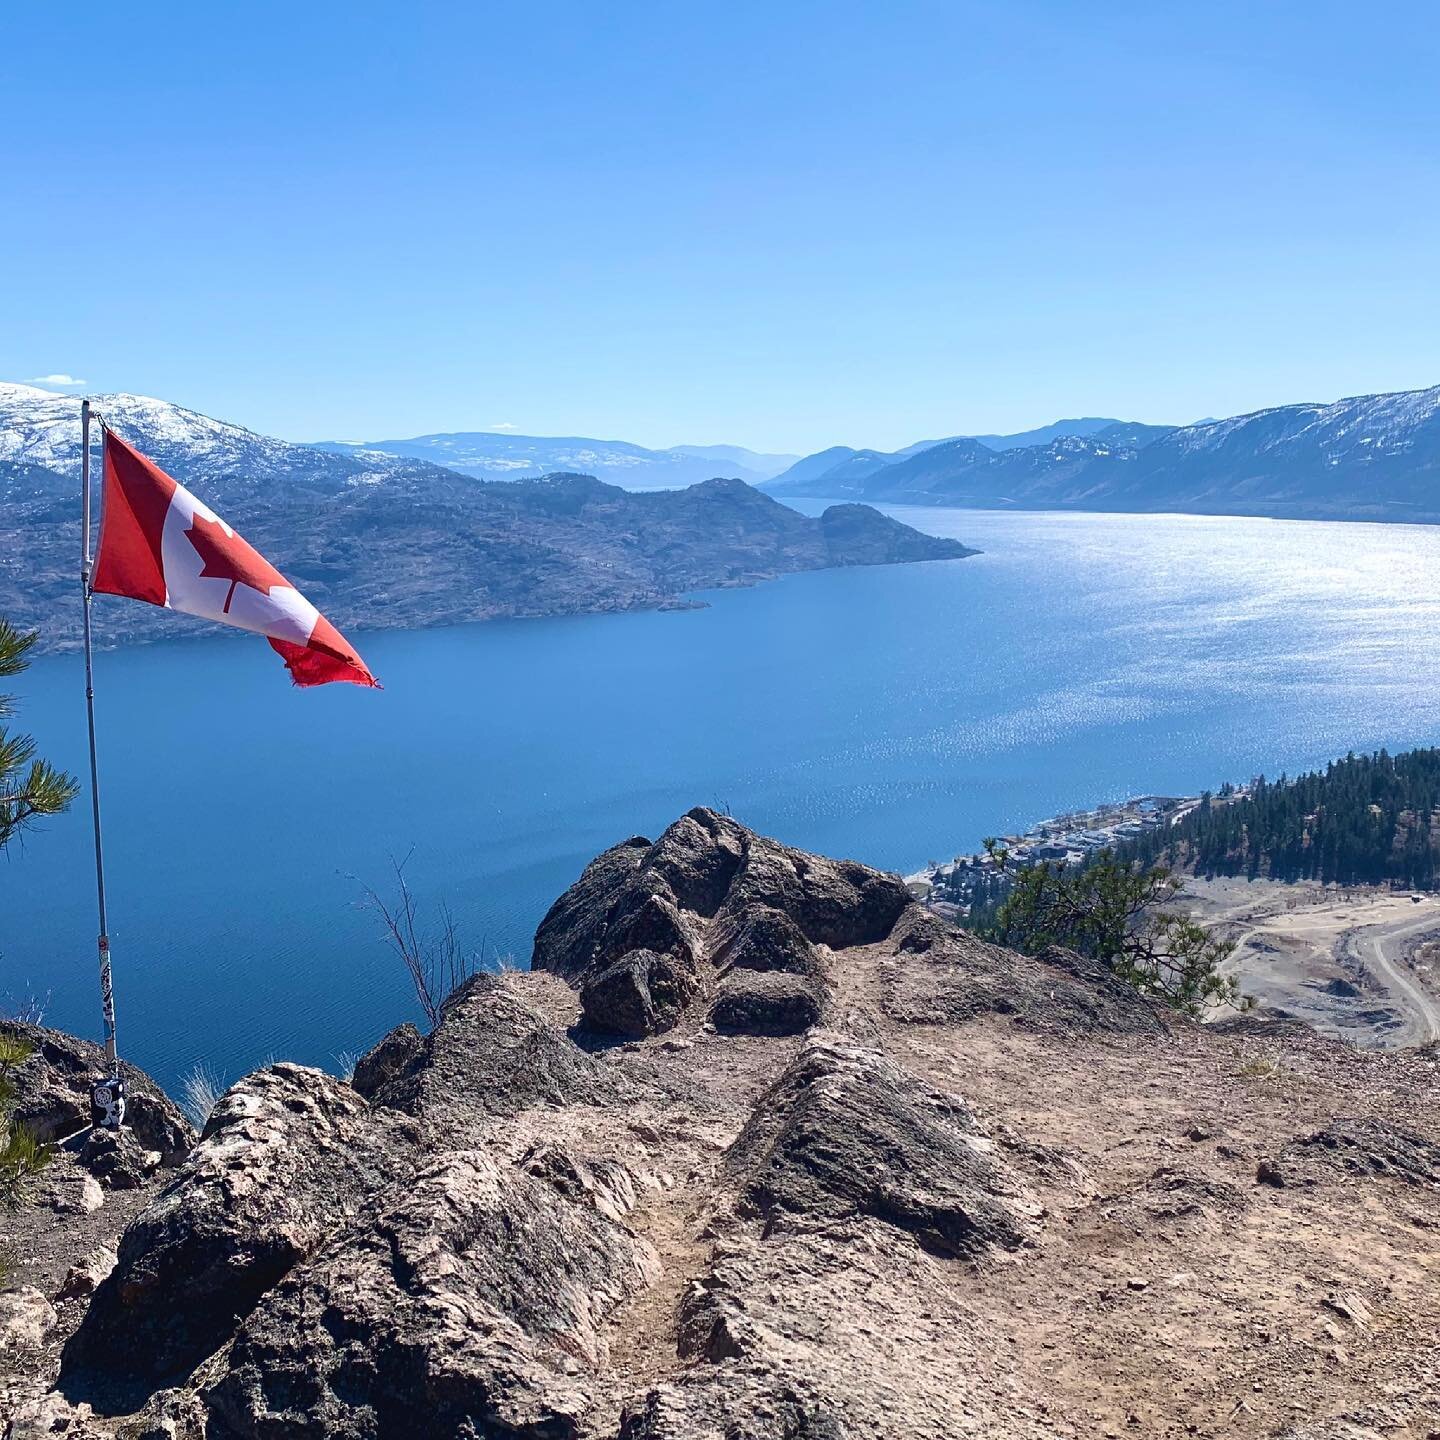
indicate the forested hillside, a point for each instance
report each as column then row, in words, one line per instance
column 1364, row 819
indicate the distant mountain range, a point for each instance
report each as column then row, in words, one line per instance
column 1372, row 457
column 381, row 541
column 499, row 455
column 843, row 466
column 492, row 455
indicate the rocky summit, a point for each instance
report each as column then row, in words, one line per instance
column 757, row 1150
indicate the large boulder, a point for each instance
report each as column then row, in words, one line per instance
column 640, row 994
column 763, row 938
column 767, row 1002
column 54, row 1093
column 471, row 1303
column 569, row 936
column 713, row 897
column 117, row 1159
column 846, row 1132
column 838, row 903
column 288, row 1155
column 492, row 1055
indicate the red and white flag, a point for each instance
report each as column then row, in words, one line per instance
column 160, row 544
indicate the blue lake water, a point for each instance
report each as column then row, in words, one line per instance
column 891, row 714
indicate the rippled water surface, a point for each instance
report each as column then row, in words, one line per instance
column 891, row 714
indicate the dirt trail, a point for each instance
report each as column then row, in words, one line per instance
column 1383, row 953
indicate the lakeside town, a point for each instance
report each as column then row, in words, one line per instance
column 952, row 888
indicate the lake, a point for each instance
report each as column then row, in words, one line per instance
column 894, row 715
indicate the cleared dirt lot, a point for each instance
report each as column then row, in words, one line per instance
column 1354, row 962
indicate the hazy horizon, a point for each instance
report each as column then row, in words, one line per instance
column 77, row 391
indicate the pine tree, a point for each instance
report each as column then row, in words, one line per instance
column 29, row 787
column 1114, row 911
column 22, row 1156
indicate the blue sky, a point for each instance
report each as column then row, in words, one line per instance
column 785, row 226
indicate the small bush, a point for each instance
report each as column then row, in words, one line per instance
column 436, row 961
column 22, row 1156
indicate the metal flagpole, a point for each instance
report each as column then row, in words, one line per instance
column 108, row 1094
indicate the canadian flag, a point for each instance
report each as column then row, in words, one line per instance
column 158, row 543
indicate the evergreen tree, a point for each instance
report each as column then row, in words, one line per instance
column 1366, row 819
column 29, row 787
column 1113, row 911
column 22, row 1156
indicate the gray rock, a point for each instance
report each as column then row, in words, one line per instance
column 81, row 1280
column 602, row 1184
column 838, row 903
column 117, row 1159
column 390, row 1058
column 569, row 935
column 42, row 1417
column 750, row 1403
column 54, row 1093
column 287, row 1156
column 696, row 860
column 1355, row 1146
column 764, row 938
column 766, row 1002
column 67, row 1189
column 493, row 1055
column 847, row 1132
column 640, row 994
column 456, row 1309
column 26, row 1320
column 713, row 896
column 943, row 975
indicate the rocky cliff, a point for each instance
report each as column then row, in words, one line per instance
column 760, row 1151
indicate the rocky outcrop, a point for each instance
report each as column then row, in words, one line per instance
column 940, row 975
column 492, row 1055
column 846, row 1132
column 387, row 1060
column 767, row 1002
column 952, row 1191
column 118, row 1159
column 342, row 1238
column 54, row 1093
column 639, row 994
column 1361, row 1147
column 287, row 1156
column 475, row 1297
column 707, row 899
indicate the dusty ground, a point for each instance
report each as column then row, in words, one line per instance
column 53, row 1231
column 1357, row 963
column 1219, row 1307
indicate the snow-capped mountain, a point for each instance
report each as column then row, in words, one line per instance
column 493, row 455
column 381, row 540
column 1370, row 457
column 40, row 430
